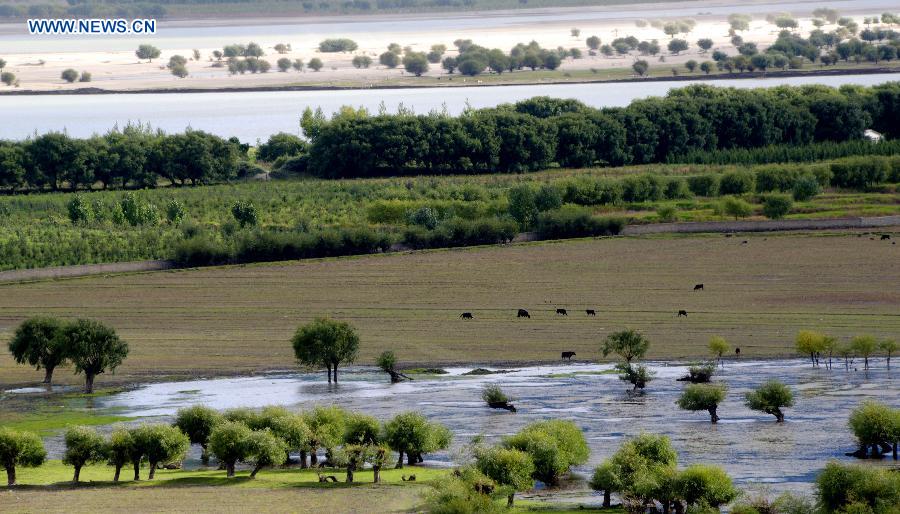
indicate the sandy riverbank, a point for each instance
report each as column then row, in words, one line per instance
column 120, row 70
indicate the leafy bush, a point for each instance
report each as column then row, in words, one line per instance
column 731, row 206
column 860, row 172
column 776, row 178
column 805, row 188
column 839, row 486
column 554, row 446
column 492, row 393
column 460, row 232
column 338, row 45
column 777, row 206
column 200, row 251
column 575, row 222
column 736, row 183
column 704, row 185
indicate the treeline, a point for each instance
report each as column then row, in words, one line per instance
column 536, row 133
column 826, row 150
column 134, row 157
column 84, row 9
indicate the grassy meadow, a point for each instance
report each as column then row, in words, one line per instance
column 239, row 319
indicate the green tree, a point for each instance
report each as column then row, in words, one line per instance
column 638, row 376
column 296, row 435
column 415, row 63
column 19, row 449
column 691, row 65
column 705, row 44
column 642, row 470
column 718, row 346
column 410, row 433
column 860, row 489
column 327, row 427
column 93, row 348
column 265, row 449
column 627, row 344
column 326, row 342
column 554, row 446
column 315, row 64
column 449, row 63
column 888, row 346
column 161, row 444
column 230, row 442
column 83, row 446
column 389, row 59
column 707, row 67
column 864, row 346
column 810, row 343
column 362, row 61
column 69, row 75
column 197, row 422
column 38, row 342
column 522, row 205
column 148, row 52
column 777, row 206
column 511, row 469
column 697, row 397
column 702, row 484
column 640, row 67
column 8, row 78
column 733, row 206
column 244, row 212
column 676, row 46
column 119, row 449
column 875, row 426
column 79, row 210
column 284, row 64
column 770, row 398
column 593, row 42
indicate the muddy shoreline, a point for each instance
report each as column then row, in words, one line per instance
column 288, row 88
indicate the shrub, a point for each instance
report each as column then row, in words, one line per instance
column 460, row 232
column 666, row 213
column 492, row 393
column 875, row 424
column 244, row 213
column 337, row 45
column 79, row 210
column 735, row 207
column 83, row 446
column 700, row 373
column 19, row 449
column 197, row 422
column 770, row 398
column 424, row 217
column 701, row 484
column 704, row 185
column 736, row 183
column 459, row 496
column 805, row 188
column 201, row 251
column 776, row 178
column 281, row 145
column 285, row 166
column 522, row 205
column 511, row 469
column 553, row 445
column 638, row 376
column 860, row 172
column 575, row 222
column 839, row 485
column 697, row 397
column 677, row 189
column 777, row 206
column 549, row 197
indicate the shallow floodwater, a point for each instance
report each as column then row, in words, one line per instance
column 750, row 445
column 255, row 115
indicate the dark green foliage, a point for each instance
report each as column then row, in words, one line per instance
column 736, row 183
column 461, row 232
column 337, row 45
column 197, row 422
column 704, row 185
column 627, row 344
column 38, row 342
column 770, row 398
column 840, row 486
column 789, row 153
column 776, row 206
column 805, row 188
column 93, row 348
column 575, row 222
column 83, row 446
column 281, row 145
column 19, row 449
column 860, row 172
column 326, row 342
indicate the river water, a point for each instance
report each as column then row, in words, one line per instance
column 754, row 449
column 253, row 116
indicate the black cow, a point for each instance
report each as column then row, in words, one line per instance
column 523, row 314
column 466, row 315
column 682, row 312
column 562, row 312
column 590, row 312
column 568, row 355
column 885, row 237
column 737, row 351
column 698, row 287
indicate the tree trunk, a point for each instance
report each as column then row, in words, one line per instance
column 152, row 473
column 399, row 460
column 350, row 468
column 376, row 470
column 313, row 458
column 335, row 373
column 712, row 415
column 866, row 363
column 11, row 475
column 77, row 474
column 88, row 383
column 329, row 373
column 118, row 471
column 606, row 499
column 509, row 499
column 137, row 469
column 411, row 458
column 229, row 469
column 779, row 416
column 204, row 455
column 303, row 459
column 255, row 470
column 48, row 373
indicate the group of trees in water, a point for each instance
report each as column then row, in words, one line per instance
column 818, row 345
column 533, row 134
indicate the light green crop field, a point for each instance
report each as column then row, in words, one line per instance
column 232, row 320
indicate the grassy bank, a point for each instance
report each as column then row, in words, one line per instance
column 228, row 320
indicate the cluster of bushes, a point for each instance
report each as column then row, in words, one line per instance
column 259, row 439
column 789, row 153
column 818, row 346
column 133, row 157
column 474, row 59
column 535, row 133
column 47, row 343
column 460, row 232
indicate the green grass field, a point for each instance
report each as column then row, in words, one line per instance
column 231, row 320
column 49, row 489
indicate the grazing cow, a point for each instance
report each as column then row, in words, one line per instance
column 681, row 313
column 737, row 351
column 885, row 237
column 744, row 242
column 466, row 315
column 568, row 355
column 562, row 312
column 590, row 312
column 698, row 287
column 523, row 314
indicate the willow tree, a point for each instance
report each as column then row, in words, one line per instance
column 698, row 397
column 770, row 398
column 37, row 342
column 93, row 348
column 326, row 342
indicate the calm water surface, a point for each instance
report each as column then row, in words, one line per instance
column 253, row 116
column 751, row 446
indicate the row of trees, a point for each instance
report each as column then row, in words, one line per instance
column 821, row 346
column 534, row 133
column 47, row 343
column 134, row 156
